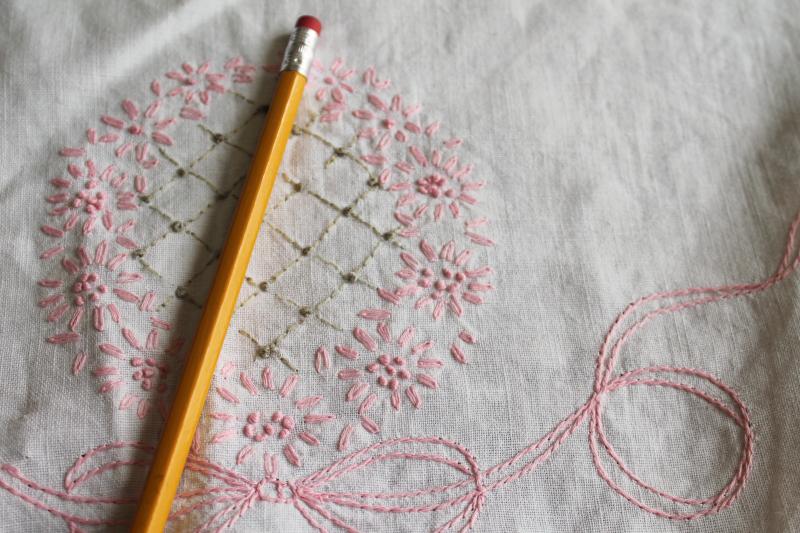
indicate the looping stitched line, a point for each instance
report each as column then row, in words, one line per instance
column 470, row 486
column 466, row 494
column 528, row 459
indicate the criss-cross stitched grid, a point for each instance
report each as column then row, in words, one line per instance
column 326, row 197
column 226, row 189
column 440, row 279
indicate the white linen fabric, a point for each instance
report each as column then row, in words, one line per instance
column 605, row 151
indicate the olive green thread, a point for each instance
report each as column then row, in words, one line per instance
column 267, row 286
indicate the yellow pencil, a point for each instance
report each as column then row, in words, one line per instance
column 170, row 458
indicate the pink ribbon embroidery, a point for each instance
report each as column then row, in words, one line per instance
column 466, row 486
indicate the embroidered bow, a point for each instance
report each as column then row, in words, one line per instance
column 453, row 482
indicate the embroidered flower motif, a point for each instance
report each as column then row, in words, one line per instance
column 199, row 84
column 334, row 90
column 88, row 198
column 388, row 122
column 395, row 369
column 443, row 283
column 142, row 127
column 284, row 426
column 194, row 83
column 93, row 288
column 430, row 183
column 149, row 373
column 90, row 297
column 437, row 186
column 370, row 79
column 242, row 72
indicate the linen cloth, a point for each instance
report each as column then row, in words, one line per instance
column 624, row 148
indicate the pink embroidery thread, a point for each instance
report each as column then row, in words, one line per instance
column 445, row 286
column 393, row 368
column 468, row 492
column 88, row 199
column 431, row 182
column 334, row 91
column 294, row 421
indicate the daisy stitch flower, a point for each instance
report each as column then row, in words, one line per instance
column 147, row 372
column 139, row 129
column 437, row 186
column 195, row 83
column 93, row 293
column 242, row 72
column 94, row 286
column 88, row 198
column 442, row 281
column 394, row 368
column 387, row 121
column 286, row 425
column 334, row 90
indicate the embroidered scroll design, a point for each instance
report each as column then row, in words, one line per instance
column 91, row 229
column 228, row 495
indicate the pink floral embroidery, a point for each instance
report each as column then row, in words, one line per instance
column 91, row 285
column 194, row 82
column 437, row 186
column 93, row 292
column 395, row 368
column 88, row 198
column 441, row 187
column 287, row 424
column 387, row 121
column 137, row 371
column 96, row 288
column 428, row 182
column 242, row 72
column 444, row 283
column 140, row 128
column 199, row 83
column 334, row 90
column 149, row 373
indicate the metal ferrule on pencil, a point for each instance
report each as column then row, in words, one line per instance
column 300, row 51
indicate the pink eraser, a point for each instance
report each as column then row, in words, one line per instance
column 312, row 23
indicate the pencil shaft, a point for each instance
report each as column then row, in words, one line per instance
column 173, row 450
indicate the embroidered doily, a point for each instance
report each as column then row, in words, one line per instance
column 395, row 361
